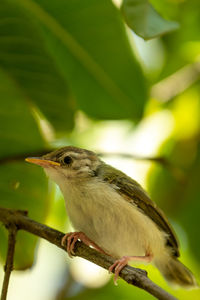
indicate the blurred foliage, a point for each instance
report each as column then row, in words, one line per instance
column 180, row 196
column 182, row 45
column 23, row 187
column 67, row 65
column 123, row 291
column 144, row 19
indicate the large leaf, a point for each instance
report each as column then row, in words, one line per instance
column 144, row 20
column 23, row 187
column 27, row 63
column 87, row 39
column 18, row 130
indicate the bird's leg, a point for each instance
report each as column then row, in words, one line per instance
column 72, row 237
column 123, row 261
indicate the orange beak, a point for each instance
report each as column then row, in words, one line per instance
column 42, row 162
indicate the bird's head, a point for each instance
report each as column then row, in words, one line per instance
column 68, row 163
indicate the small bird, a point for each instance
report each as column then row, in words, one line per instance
column 112, row 213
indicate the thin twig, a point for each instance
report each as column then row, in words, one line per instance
column 9, row 259
column 134, row 276
column 177, row 83
column 176, row 172
column 22, row 156
column 158, row 159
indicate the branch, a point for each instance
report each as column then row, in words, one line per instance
column 9, row 259
column 158, row 159
column 22, row 156
column 177, row 83
column 175, row 171
column 131, row 275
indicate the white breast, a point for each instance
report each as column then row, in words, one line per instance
column 118, row 227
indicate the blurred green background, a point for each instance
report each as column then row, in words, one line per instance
column 110, row 76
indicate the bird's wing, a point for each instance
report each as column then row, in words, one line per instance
column 132, row 192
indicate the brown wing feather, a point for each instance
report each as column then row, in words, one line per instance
column 134, row 193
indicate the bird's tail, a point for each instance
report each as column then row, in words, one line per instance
column 175, row 272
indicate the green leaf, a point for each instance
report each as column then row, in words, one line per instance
column 144, row 20
column 23, row 187
column 88, row 41
column 19, row 132
column 25, row 60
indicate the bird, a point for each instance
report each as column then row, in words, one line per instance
column 111, row 212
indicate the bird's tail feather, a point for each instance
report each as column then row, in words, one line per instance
column 176, row 273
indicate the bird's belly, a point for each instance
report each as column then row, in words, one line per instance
column 117, row 226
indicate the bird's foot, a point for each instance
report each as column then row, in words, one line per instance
column 72, row 237
column 122, row 262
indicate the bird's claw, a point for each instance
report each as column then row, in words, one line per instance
column 122, row 262
column 117, row 267
column 69, row 240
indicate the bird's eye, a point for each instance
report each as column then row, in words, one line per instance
column 67, row 160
